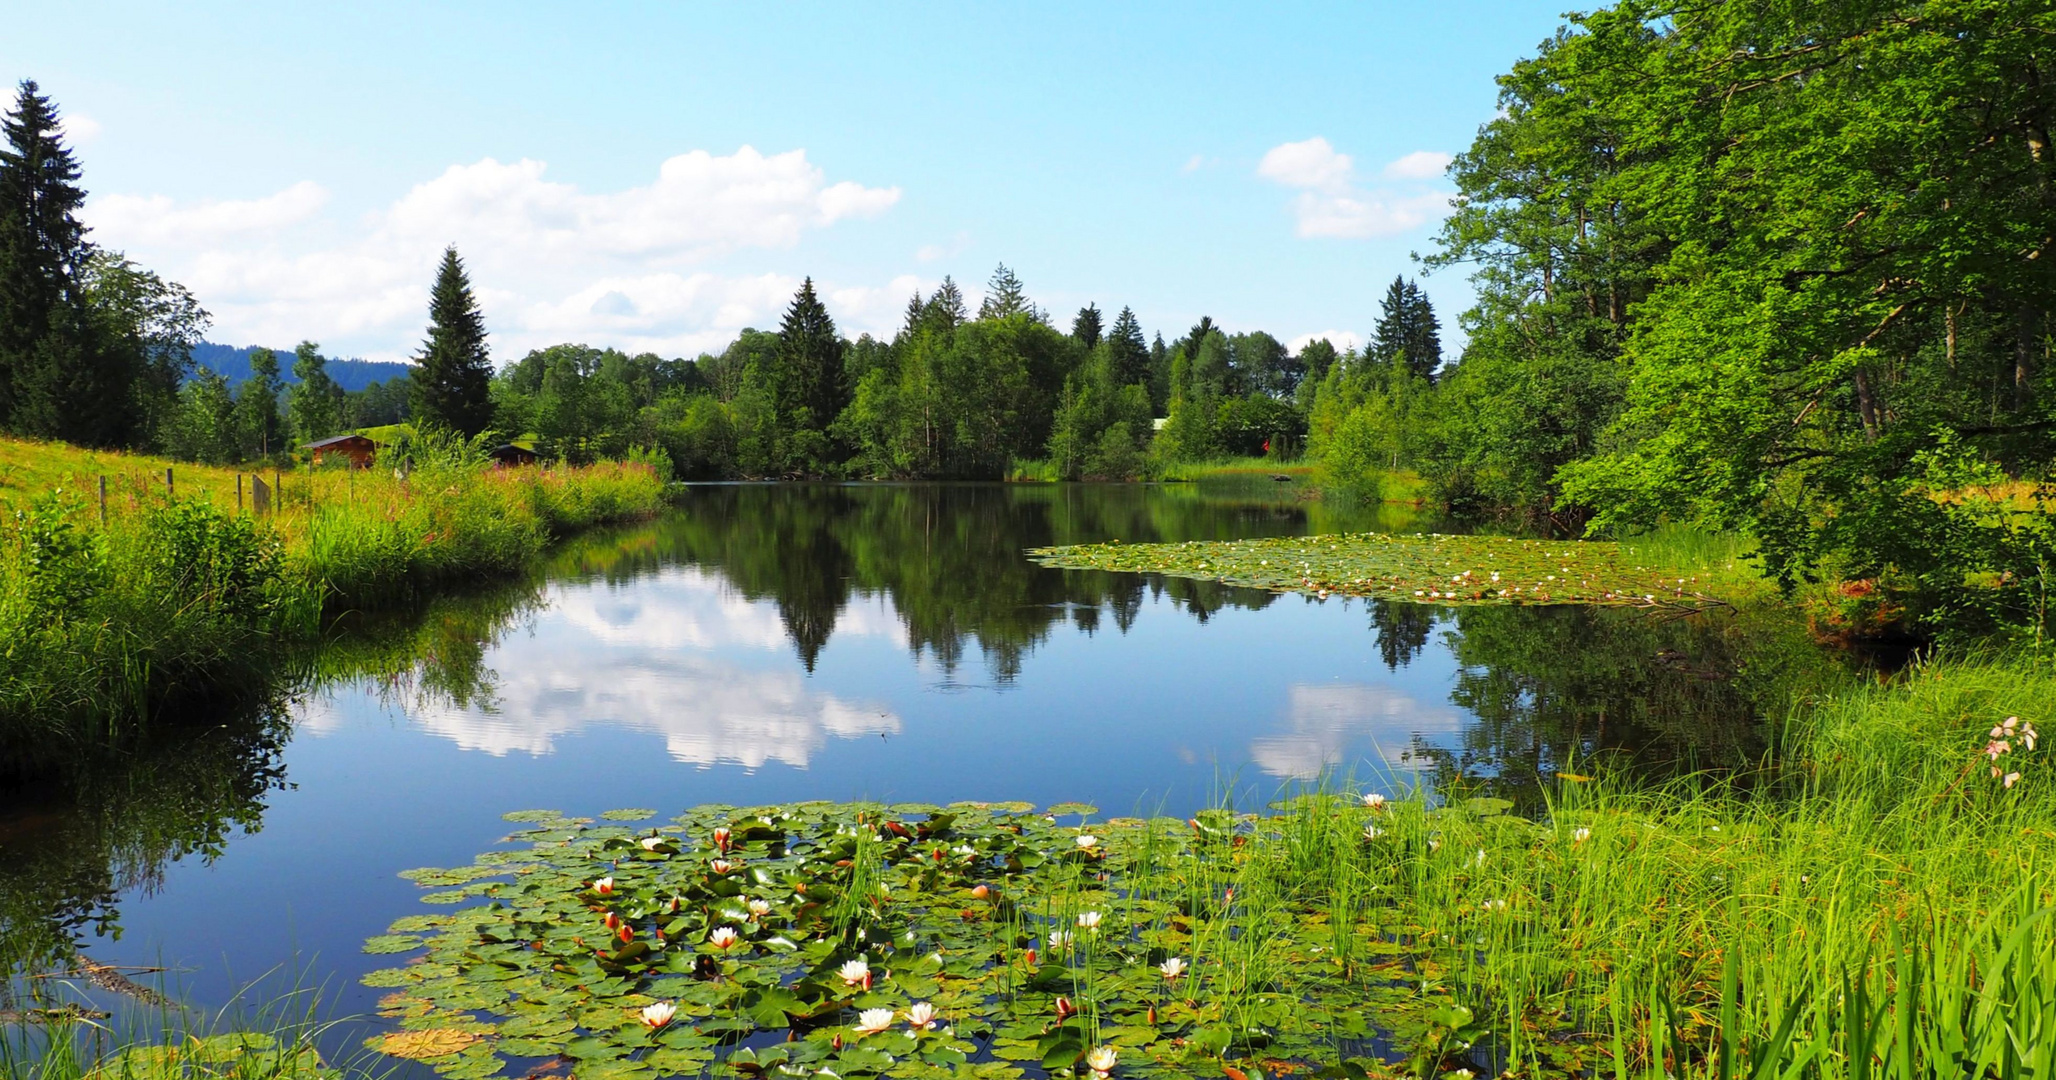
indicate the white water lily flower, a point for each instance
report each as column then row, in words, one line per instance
column 1101, row 1061
column 759, row 908
column 658, row 1014
column 1580, row 834
column 1374, row 800
column 921, row 1016
column 651, row 843
column 723, row 937
column 1086, row 842
column 721, row 866
column 873, row 1021
column 1172, row 968
column 855, row 973
column 1088, row 920
column 1059, row 940
column 604, row 886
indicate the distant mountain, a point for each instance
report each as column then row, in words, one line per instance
column 232, row 362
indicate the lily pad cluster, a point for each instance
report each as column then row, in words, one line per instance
column 1421, row 568
column 912, row 940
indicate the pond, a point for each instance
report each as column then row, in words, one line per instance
column 760, row 644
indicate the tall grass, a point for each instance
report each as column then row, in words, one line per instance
column 1877, row 904
column 177, row 599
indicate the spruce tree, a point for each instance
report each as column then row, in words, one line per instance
column 945, row 309
column 453, row 387
column 1004, row 296
column 809, row 386
column 53, row 382
column 1407, row 328
column 1086, row 327
column 258, row 403
column 1128, row 353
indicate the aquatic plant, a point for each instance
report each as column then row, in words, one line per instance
column 1421, row 568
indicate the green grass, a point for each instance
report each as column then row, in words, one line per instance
column 174, row 601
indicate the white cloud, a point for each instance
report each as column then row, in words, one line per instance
column 1332, row 203
column 78, row 128
column 550, row 261
column 155, row 220
column 1193, row 163
column 1419, row 165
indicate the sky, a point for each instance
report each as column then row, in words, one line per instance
column 656, row 177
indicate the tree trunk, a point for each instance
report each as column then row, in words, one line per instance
column 2024, row 355
column 1867, row 406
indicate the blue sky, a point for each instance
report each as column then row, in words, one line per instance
column 300, row 167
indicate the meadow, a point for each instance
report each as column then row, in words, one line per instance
column 166, row 598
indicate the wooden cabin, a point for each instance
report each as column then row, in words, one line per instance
column 508, row 456
column 356, row 448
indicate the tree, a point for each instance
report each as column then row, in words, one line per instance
column 1004, row 296
column 1086, row 327
column 315, row 402
column 258, row 403
column 453, row 387
column 1407, row 329
column 204, row 427
column 1128, row 354
column 146, row 327
column 54, row 380
column 808, row 391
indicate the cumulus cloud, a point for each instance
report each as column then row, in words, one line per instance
column 1332, row 202
column 551, row 261
column 78, row 128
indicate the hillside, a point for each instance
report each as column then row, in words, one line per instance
column 232, row 362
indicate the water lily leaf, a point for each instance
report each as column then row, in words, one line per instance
column 1067, row 809
column 628, row 815
column 392, row 943
column 387, row 977
column 1484, row 806
column 422, row 1045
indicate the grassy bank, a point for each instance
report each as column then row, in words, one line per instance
column 175, row 598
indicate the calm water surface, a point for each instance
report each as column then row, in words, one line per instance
column 761, row 644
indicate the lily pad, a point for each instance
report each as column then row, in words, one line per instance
column 1423, row 568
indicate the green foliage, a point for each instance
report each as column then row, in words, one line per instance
column 452, row 386
column 1407, row 334
column 1422, row 568
column 315, row 402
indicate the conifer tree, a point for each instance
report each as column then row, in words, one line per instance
column 53, row 382
column 1086, row 327
column 1004, row 296
column 1128, row 353
column 453, row 387
column 809, row 387
column 945, row 309
column 1407, row 328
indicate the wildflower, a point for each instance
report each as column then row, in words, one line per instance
column 604, row 886
column 721, row 866
column 1580, row 834
column 1059, row 940
column 1374, row 801
column 873, row 1021
column 1434, row 844
column 1458, row 1074
column 855, row 973
column 722, row 937
column 1088, row 920
column 658, row 1014
column 1481, row 856
column 1996, row 747
column 1100, row 1061
column 1086, row 842
column 921, row 1016
column 651, row 843
column 1495, row 905
column 1172, row 968
column 759, row 908
column 1372, row 832
column 2011, row 777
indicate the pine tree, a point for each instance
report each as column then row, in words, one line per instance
column 453, row 387
column 1004, row 296
column 1129, row 354
column 915, row 310
column 1407, row 328
column 1086, row 327
column 945, row 309
column 53, row 382
column 809, row 388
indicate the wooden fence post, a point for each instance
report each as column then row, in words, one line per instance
column 103, row 501
column 239, row 494
column 169, row 491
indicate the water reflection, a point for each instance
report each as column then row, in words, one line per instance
column 1328, row 725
